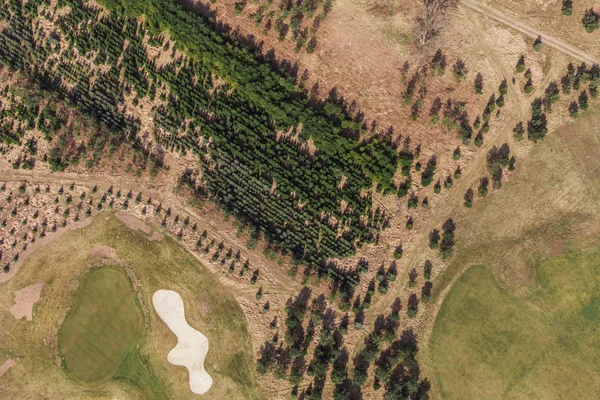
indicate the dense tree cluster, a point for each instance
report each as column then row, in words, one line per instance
column 235, row 128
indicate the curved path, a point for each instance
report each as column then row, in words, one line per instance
column 512, row 21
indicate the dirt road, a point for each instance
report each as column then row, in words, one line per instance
column 512, row 21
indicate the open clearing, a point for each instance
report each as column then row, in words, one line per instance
column 143, row 371
column 103, row 325
column 489, row 344
column 526, row 325
column 192, row 345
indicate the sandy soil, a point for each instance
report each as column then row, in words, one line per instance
column 103, row 251
column 6, row 366
column 24, row 301
column 132, row 222
column 192, row 345
column 156, row 236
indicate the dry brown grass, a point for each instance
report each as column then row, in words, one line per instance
column 548, row 208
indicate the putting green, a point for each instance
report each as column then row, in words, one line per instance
column 102, row 327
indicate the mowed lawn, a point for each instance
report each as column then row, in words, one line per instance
column 103, row 325
column 489, row 344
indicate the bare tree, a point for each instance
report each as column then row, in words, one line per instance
column 430, row 22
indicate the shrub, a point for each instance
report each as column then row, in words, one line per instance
column 460, row 70
column 583, row 100
column 590, row 20
column 503, row 88
column 537, row 44
column 398, row 251
column 413, row 306
column 573, row 109
column 426, row 290
column 456, row 154
column 483, row 187
column 567, row 7
column 468, row 198
column 519, row 131
column 434, row 239
column 521, row 64
column 479, row 83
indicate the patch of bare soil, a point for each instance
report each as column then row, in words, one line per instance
column 132, row 222
column 6, row 366
column 103, row 251
column 156, row 236
column 136, row 224
column 24, row 301
column 204, row 309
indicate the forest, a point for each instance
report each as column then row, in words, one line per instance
column 250, row 129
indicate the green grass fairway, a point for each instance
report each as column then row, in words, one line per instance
column 104, row 324
column 488, row 344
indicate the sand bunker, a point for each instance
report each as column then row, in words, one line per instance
column 192, row 345
column 24, row 301
column 6, row 366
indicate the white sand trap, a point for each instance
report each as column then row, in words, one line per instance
column 192, row 345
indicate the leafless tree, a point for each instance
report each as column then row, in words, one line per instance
column 430, row 22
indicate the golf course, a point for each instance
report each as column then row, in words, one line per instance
column 94, row 332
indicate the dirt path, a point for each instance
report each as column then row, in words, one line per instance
column 6, row 366
column 513, row 22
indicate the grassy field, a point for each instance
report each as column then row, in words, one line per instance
column 104, row 324
column 143, row 371
column 524, row 326
column 489, row 344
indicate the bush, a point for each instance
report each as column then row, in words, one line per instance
column 567, row 8
column 537, row 44
column 434, row 239
column 503, row 88
column 519, row 131
column 483, row 187
column 573, row 109
column 426, row 290
column 460, row 70
column 468, row 198
column 590, row 20
column 479, row 83
column 398, row 251
column 413, row 306
column 521, row 64
column 456, row 154
column 583, row 100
